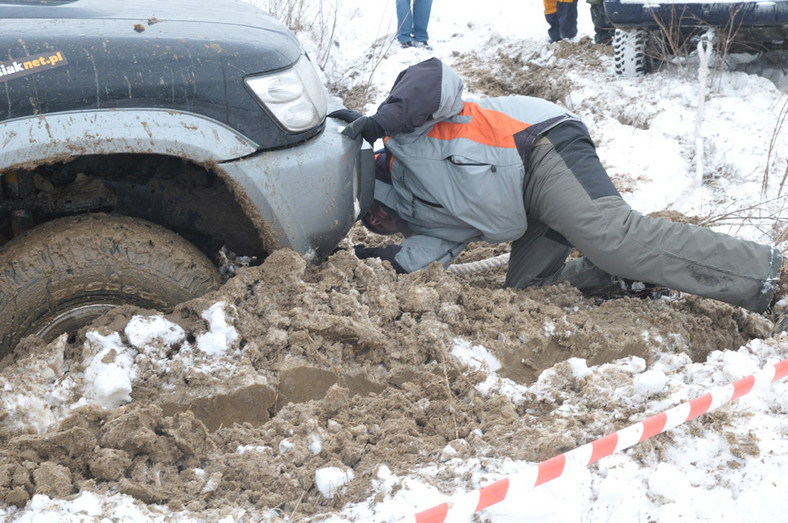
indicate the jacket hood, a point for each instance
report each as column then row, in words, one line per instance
column 451, row 96
column 422, row 94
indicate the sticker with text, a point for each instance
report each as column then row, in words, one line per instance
column 31, row 64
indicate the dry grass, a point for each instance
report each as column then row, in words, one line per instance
column 320, row 20
column 676, row 42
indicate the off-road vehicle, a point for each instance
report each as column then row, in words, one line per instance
column 140, row 139
column 648, row 31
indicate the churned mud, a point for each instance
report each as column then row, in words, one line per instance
column 348, row 354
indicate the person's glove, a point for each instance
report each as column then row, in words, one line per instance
column 384, row 253
column 346, row 115
column 365, row 126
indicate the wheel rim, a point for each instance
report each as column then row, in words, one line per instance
column 72, row 320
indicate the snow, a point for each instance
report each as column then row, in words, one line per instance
column 109, row 375
column 220, row 335
column 330, row 480
column 650, row 382
column 85, row 507
column 143, row 332
column 740, row 122
column 474, row 356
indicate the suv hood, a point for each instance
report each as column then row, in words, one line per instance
column 182, row 55
column 239, row 13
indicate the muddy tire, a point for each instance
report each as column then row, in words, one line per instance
column 63, row 274
column 630, row 52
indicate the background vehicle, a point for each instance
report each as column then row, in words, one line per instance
column 140, row 138
column 648, row 30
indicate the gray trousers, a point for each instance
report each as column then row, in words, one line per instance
column 571, row 201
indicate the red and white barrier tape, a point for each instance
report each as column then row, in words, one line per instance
column 460, row 508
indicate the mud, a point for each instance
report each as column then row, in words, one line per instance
column 531, row 70
column 346, row 364
column 350, row 355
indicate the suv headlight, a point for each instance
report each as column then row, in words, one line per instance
column 295, row 97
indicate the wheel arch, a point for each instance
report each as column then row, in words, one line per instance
column 160, row 165
column 196, row 200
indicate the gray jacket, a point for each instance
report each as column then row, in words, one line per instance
column 457, row 167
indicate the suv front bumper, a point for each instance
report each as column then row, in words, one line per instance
column 306, row 197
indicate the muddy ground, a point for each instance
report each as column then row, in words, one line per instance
column 347, row 354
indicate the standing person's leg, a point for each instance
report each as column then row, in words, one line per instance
column 568, row 189
column 550, row 15
column 404, row 21
column 566, row 11
column 421, row 19
column 603, row 28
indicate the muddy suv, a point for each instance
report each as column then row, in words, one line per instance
column 649, row 30
column 142, row 141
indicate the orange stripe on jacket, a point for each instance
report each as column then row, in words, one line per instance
column 486, row 127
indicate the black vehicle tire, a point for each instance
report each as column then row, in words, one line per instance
column 630, row 48
column 62, row 274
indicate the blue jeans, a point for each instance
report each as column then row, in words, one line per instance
column 563, row 23
column 412, row 23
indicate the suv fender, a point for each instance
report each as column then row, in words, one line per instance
column 149, row 131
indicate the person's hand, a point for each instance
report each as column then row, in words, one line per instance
column 346, row 115
column 365, row 126
column 384, row 253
